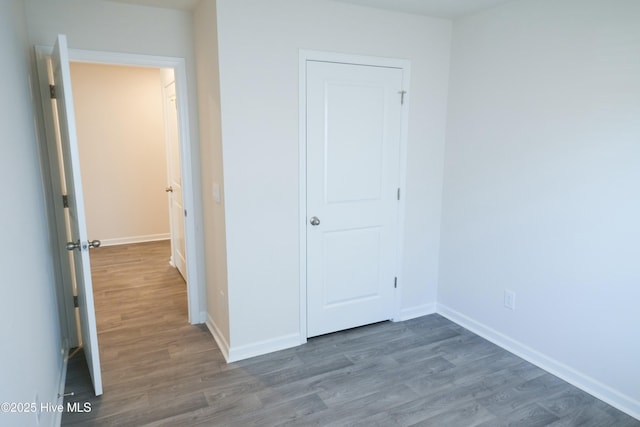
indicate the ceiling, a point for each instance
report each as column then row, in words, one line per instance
column 439, row 8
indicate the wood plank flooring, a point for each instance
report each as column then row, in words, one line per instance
column 160, row 371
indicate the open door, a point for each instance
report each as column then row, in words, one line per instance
column 79, row 244
column 174, row 189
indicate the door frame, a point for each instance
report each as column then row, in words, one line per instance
column 194, row 285
column 306, row 55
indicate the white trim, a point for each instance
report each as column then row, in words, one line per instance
column 404, row 132
column 195, row 287
column 132, row 59
column 62, row 380
column 135, row 239
column 302, row 197
column 263, row 347
column 603, row 392
column 416, row 311
column 250, row 350
column 223, row 345
column 346, row 58
column 313, row 55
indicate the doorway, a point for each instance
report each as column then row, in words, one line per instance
column 122, row 125
column 129, row 151
column 45, row 74
column 195, row 288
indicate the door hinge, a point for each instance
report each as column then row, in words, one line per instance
column 402, row 94
column 398, row 195
column 75, row 301
column 65, row 201
column 52, row 91
column 185, row 212
column 395, row 282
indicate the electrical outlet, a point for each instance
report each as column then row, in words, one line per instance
column 509, row 299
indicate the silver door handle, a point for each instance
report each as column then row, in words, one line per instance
column 70, row 246
column 73, row 245
column 169, row 189
column 314, row 221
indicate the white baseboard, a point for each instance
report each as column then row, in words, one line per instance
column 570, row 375
column 417, row 311
column 218, row 337
column 204, row 316
column 263, row 347
column 250, row 350
column 62, row 379
column 135, row 239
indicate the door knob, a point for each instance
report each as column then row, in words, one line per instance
column 314, row 221
column 169, row 189
column 73, row 245
column 76, row 245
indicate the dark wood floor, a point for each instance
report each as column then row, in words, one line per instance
column 159, row 370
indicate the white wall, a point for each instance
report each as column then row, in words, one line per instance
column 31, row 360
column 542, row 187
column 259, row 43
column 116, row 27
column 120, row 124
column 206, row 43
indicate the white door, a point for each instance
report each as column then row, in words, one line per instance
column 353, row 115
column 80, row 243
column 176, row 207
